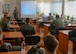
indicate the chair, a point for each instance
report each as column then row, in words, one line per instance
column 27, row 31
column 29, row 40
column 72, row 37
column 4, row 30
column 11, row 29
column 19, row 20
column 21, row 23
column 32, row 40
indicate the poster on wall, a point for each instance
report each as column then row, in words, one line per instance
column 2, row 8
column 7, row 7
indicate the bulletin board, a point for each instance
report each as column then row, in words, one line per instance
column 0, row 8
column 7, row 7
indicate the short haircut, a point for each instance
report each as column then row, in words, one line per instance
column 5, row 12
column 57, row 16
column 49, row 13
column 50, row 43
column 27, row 20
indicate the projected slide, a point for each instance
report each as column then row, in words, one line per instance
column 28, row 7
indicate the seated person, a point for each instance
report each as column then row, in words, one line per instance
column 45, row 18
column 3, row 24
column 6, row 15
column 56, row 24
column 49, row 43
column 50, row 17
column 8, row 21
column 4, row 47
column 27, row 28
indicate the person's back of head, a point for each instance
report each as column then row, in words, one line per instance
column 50, row 14
column 27, row 29
column 50, row 43
column 27, row 20
column 6, row 14
column 57, row 16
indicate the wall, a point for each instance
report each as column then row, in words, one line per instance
column 13, row 4
column 1, row 8
column 16, row 3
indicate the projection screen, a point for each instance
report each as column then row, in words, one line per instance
column 28, row 8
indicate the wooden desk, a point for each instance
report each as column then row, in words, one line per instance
column 14, row 26
column 71, row 26
column 17, row 52
column 20, row 52
column 12, row 36
column 41, row 21
column 63, row 41
column 46, row 29
column 49, row 21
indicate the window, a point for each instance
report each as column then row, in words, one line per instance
column 57, row 7
column 70, row 8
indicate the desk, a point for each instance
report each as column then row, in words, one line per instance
column 17, row 52
column 12, row 36
column 41, row 21
column 14, row 52
column 63, row 41
column 14, row 26
column 71, row 26
column 46, row 29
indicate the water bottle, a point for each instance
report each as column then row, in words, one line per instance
column 1, row 36
column 23, row 46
